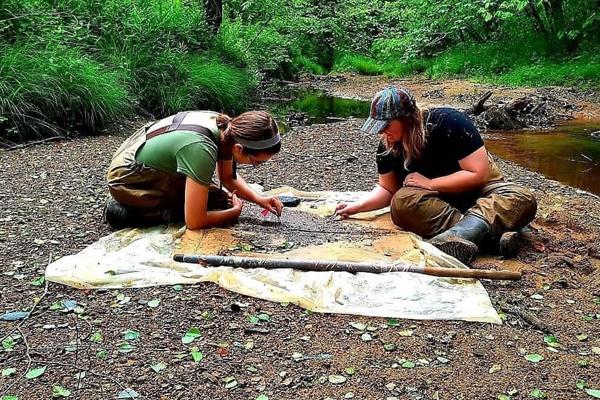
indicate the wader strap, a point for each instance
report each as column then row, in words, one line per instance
column 176, row 126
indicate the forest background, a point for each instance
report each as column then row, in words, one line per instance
column 78, row 65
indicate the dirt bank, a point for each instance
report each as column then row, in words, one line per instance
column 565, row 102
column 53, row 194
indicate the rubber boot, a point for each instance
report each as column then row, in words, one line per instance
column 463, row 240
column 119, row 216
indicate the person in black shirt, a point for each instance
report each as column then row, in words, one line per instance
column 438, row 179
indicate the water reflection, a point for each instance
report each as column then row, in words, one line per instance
column 315, row 107
column 568, row 153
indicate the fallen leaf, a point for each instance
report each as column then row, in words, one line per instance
column 196, row 354
column 158, row 366
column 9, row 397
column 96, row 337
column 8, row 371
column 336, row 379
column 389, row 347
column 191, row 335
column 59, row 391
column 127, row 393
column 582, row 337
column 8, row 344
column 595, row 393
column 264, row 317
column 39, row 281
column 495, row 368
column 358, row 325
column 125, row 348
column 68, row 305
column 551, row 341
column 35, row 372
column 230, row 382
column 406, row 332
column 153, row 303
column 537, row 394
column 350, row 371
column 262, row 397
column 534, row 358
column 130, row 334
column 408, row 364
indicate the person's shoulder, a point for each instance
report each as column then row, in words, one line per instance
column 441, row 112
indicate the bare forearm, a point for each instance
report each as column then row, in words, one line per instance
column 460, row 181
column 242, row 189
column 375, row 199
column 214, row 218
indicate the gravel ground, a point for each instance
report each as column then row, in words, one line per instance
column 53, row 195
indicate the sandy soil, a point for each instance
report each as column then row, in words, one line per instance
column 52, row 198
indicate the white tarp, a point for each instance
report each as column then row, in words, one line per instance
column 143, row 257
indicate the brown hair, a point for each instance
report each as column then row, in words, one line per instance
column 249, row 126
column 414, row 138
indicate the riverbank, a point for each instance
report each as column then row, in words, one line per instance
column 463, row 94
column 53, row 196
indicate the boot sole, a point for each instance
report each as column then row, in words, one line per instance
column 510, row 242
column 459, row 248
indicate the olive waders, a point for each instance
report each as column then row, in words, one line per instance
column 460, row 224
column 144, row 196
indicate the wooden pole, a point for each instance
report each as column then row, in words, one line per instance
column 331, row 265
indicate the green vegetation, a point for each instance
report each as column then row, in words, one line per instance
column 515, row 42
column 76, row 65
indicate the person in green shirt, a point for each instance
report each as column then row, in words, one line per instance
column 163, row 172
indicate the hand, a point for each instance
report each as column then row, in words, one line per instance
column 272, row 204
column 415, row 179
column 236, row 203
column 344, row 210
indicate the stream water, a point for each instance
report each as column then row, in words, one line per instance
column 568, row 153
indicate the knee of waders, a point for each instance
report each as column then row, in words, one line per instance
column 406, row 209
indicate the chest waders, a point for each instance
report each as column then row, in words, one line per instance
column 145, row 196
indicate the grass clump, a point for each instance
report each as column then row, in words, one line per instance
column 45, row 89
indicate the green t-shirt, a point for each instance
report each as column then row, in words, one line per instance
column 184, row 152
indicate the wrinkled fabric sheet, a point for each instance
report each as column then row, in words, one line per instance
column 143, row 257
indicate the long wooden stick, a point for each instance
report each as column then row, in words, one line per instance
column 331, row 265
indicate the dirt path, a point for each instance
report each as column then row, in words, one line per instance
column 53, row 194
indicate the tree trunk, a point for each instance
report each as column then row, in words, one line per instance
column 535, row 16
column 213, row 11
column 474, row 34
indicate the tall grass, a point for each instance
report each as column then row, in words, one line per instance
column 79, row 64
column 45, row 89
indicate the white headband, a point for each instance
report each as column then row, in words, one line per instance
column 259, row 144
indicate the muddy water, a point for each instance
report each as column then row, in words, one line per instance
column 568, row 153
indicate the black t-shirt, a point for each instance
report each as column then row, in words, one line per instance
column 451, row 136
